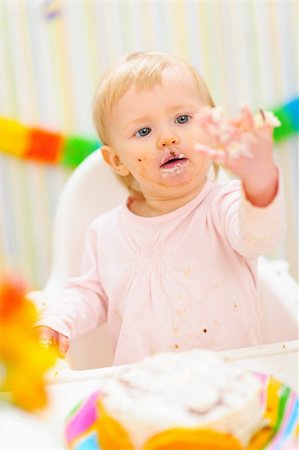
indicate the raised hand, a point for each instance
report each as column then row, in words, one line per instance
column 244, row 147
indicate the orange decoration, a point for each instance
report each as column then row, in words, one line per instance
column 188, row 439
column 44, row 146
column 112, row 435
column 22, row 359
column 13, row 289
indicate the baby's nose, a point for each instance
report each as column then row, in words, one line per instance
column 166, row 142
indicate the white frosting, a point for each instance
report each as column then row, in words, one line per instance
column 266, row 117
column 227, row 133
column 217, row 125
column 188, row 389
column 177, row 169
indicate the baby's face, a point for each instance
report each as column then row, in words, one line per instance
column 154, row 131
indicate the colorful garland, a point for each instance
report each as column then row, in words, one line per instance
column 288, row 114
column 23, row 361
column 49, row 147
column 42, row 145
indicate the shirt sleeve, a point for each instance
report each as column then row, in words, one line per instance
column 252, row 230
column 82, row 304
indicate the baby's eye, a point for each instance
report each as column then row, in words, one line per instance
column 143, row 132
column 184, row 118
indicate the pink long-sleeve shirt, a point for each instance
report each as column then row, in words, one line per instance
column 182, row 280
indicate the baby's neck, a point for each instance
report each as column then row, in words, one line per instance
column 151, row 206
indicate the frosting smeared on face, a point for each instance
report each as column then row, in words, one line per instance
column 176, row 169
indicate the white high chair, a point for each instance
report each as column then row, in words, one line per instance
column 92, row 190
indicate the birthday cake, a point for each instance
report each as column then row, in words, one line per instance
column 188, row 400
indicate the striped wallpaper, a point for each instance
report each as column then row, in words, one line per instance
column 53, row 52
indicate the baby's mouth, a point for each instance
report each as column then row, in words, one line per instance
column 173, row 165
column 172, row 160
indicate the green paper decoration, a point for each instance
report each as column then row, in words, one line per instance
column 76, row 149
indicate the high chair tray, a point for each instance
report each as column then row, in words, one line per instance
column 279, row 359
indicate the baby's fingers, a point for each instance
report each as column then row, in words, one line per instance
column 63, row 344
column 51, row 338
column 46, row 336
column 219, row 156
column 247, row 119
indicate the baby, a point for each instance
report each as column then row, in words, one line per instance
column 173, row 267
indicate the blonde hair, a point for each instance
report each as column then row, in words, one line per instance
column 143, row 70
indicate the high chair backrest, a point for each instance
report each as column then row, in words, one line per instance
column 92, row 189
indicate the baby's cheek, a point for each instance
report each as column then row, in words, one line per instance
column 205, row 164
column 142, row 160
column 199, row 136
column 202, row 163
column 142, row 165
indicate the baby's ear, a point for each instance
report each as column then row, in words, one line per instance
column 113, row 160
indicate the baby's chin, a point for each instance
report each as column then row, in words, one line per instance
column 187, row 176
column 176, row 174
